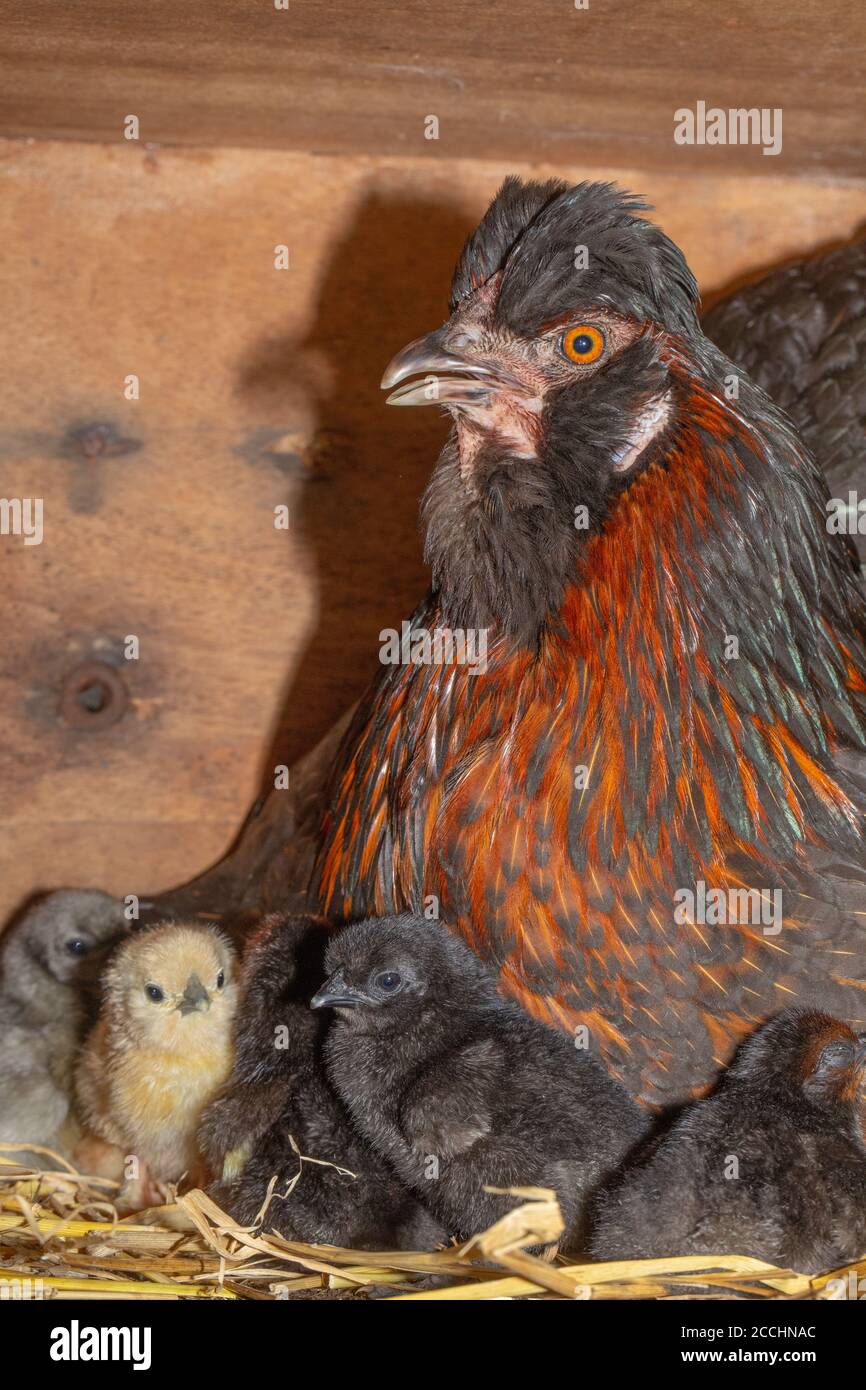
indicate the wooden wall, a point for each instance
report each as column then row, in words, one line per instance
column 560, row 80
column 259, row 386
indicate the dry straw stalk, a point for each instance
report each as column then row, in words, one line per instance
column 60, row 1236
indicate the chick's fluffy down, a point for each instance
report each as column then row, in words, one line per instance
column 162, row 1045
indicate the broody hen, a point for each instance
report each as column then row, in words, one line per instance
column 645, row 806
column 800, row 332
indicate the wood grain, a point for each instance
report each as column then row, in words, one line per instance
column 520, row 79
column 258, row 387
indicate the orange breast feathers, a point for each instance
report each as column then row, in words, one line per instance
column 550, row 807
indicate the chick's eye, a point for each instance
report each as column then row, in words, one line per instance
column 389, row 980
column 76, row 947
column 583, row 344
column 154, row 994
column 836, row 1056
column 221, row 979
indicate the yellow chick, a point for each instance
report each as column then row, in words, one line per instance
column 161, row 1049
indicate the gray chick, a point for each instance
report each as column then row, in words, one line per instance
column 48, row 961
column 457, row 1087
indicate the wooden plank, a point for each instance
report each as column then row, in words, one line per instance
column 258, row 387
column 522, row 79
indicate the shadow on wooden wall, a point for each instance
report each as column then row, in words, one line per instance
column 377, row 293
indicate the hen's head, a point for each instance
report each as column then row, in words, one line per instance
column 556, row 369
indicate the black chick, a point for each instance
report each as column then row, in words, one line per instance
column 457, row 1087
column 332, row 1188
column 772, row 1165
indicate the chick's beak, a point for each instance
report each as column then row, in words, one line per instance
column 337, row 994
column 432, row 359
column 195, row 998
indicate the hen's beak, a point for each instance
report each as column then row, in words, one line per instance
column 195, row 997
column 430, row 359
column 337, row 994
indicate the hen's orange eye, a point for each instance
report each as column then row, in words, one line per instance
column 583, row 344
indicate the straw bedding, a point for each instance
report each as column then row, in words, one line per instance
column 61, row 1237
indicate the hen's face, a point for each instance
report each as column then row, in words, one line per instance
column 554, row 367
column 500, row 384
column 173, row 987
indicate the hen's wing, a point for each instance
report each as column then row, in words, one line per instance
column 800, row 333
